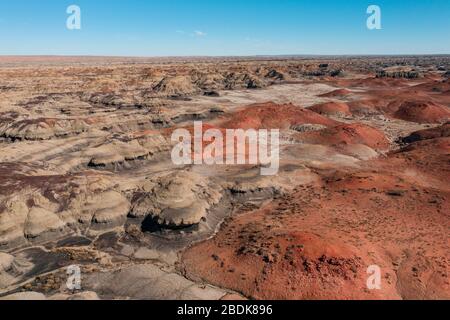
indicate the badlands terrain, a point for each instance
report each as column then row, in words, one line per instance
column 86, row 178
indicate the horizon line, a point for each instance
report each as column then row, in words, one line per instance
column 224, row 56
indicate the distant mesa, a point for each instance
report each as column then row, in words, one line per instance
column 347, row 134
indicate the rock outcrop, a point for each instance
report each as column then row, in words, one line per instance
column 40, row 207
column 177, row 199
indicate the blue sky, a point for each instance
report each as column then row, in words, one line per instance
column 223, row 27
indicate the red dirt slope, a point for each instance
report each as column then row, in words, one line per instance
column 274, row 116
column 422, row 112
column 318, row 241
column 354, row 133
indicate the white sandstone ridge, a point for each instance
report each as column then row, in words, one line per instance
column 120, row 151
column 91, row 149
column 116, row 152
column 42, row 128
column 176, row 199
column 44, row 207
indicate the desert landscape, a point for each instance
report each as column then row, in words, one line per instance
column 86, row 178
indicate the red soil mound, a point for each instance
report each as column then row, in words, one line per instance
column 427, row 92
column 348, row 134
column 331, row 108
column 274, row 116
column 275, row 263
column 336, row 93
column 377, row 82
column 422, row 112
column 318, row 241
column 257, row 116
column 406, row 94
column 429, row 157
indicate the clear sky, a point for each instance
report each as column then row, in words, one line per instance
column 223, row 27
